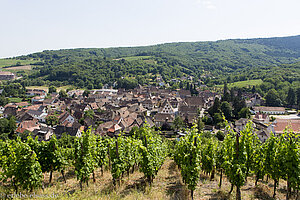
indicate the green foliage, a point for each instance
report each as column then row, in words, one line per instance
column 52, row 120
column 289, row 159
column 220, row 135
column 226, row 109
column 272, row 98
column 20, row 163
column 127, row 83
column 249, row 142
column 178, row 123
column 124, row 154
column 102, row 151
column 50, row 155
column 52, row 89
column 66, row 141
column 86, row 93
column 153, row 151
column 187, row 156
column 298, row 97
column 13, row 90
column 239, row 153
column 89, row 113
column 244, row 113
column 227, row 60
column 238, row 105
column 7, row 127
column 208, row 155
column 85, row 156
column 3, row 100
column 215, row 108
column 291, row 97
column 63, row 94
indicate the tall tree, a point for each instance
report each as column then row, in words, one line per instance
column 226, row 109
column 52, row 89
column 272, row 98
column 253, row 90
column 86, row 93
column 291, row 97
column 225, row 89
column 63, row 94
column 298, row 97
column 216, row 108
column 226, row 95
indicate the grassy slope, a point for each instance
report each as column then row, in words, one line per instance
column 241, row 84
column 167, row 185
column 13, row 62
column 131, row 58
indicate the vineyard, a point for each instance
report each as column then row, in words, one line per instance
column 136, row 164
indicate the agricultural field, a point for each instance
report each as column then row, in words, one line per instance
column 15, row 62
column 146, row 59
column 241, row 84
column 131, row 58
column 18, row 68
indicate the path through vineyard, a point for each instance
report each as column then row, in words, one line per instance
column 167, row 185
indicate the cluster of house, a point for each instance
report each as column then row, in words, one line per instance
column 264, row 126
column 113, row 111
column 110, row 112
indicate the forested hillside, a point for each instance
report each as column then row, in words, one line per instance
column 92, row 67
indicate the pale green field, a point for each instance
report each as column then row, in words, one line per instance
column 131, row 58
column 146, row 59
column 12, row 62
column 241, row 84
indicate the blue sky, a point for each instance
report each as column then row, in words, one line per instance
column 34, row 25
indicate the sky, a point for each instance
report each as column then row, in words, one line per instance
column 28, row 26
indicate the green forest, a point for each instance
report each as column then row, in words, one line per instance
column 275, row 61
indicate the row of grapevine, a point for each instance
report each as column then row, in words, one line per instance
column 124, row 155
column 145, row 150
column 239, row 156
column 153, row 152
column 19, row 163
column 187, row 155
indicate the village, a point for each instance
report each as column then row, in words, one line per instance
column 110, row 112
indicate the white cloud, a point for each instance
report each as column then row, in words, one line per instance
column 209, row 4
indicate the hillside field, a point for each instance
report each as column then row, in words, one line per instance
column 13, row 62
column 241, row 84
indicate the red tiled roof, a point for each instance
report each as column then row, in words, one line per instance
column 277, row 109
column 282, row 124
column 21, row 104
